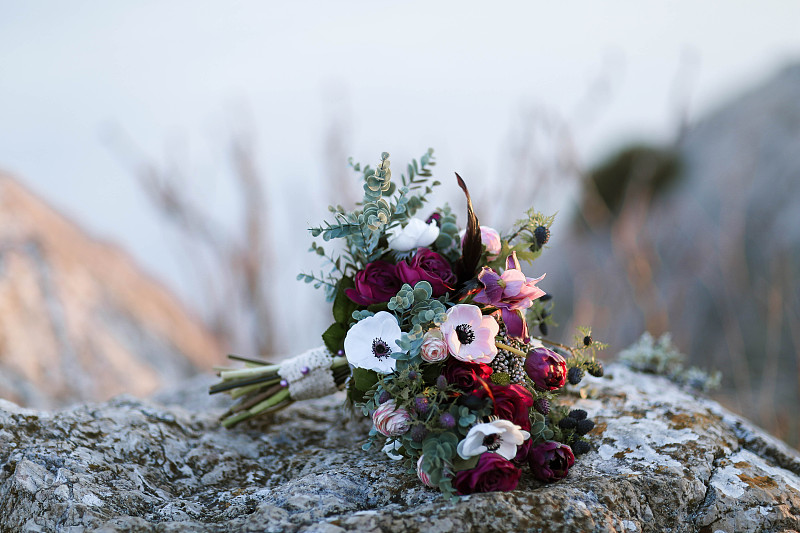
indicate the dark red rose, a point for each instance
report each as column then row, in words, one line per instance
column 465, row 375
column 377, row 283
column 550, row 461
column 547, row 369
column 523, row 450
column 429, row 266
column 493, row 472
column 511, row 402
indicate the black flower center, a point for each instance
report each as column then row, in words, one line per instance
column 380, row 349
column 492, row 442
column 465, row 333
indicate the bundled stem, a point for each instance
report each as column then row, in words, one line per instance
column 260, row 388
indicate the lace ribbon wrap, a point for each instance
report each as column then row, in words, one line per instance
column 309, row 374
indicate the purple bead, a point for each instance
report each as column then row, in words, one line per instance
column 284, row 383
column 304, row 370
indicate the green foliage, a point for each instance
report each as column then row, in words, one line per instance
column 416, row 311
column 364, row 379
column 663, row 358
column 333, row 337
column 522, row 239
column 364, row 231
column 448, row 243
column 343, row 308
column 540, row 313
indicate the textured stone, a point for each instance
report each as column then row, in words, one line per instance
column 79, row 321
column 663, row 460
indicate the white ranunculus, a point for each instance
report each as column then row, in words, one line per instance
column 501, row 437
column 414, row 235
column 370, row 343
column 391, row 448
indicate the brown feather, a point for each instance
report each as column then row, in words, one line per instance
column 471, row 247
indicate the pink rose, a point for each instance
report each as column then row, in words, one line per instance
column 391, row 420
column 377, row 283
column 426, row 480
column 434, row 348
column 429, row 266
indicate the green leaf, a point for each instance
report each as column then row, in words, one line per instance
column 343, row 306
column 364, row 379
column 334, row 337
column 465, row 464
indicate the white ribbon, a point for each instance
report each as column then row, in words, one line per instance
column 309, row 374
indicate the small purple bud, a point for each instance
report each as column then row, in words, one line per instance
column 447, row 420
column 413, row 375
column 435, row 217
column 418, row 433
column 284, row 383
column 421, row 404
column 305, row 370
column 340, row 353
column 441, row 383
column 384, row 397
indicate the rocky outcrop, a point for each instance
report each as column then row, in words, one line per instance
column 78, row 320
column 663, row 460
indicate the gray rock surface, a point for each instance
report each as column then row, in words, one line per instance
column 664, row 460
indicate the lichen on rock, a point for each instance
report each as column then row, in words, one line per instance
column 663, row 460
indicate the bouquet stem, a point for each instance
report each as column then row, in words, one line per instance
column 264, row 387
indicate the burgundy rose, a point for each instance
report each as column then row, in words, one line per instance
column 511, row 402
column 547, row 369
column 465, row 375
column 550, row 461
column 429, row 266
column 493, row 472
column 377, row 283
column 523, row 450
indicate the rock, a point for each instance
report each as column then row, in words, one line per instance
column 663, row 460
column 79, row 321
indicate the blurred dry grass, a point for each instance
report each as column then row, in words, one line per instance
column 614, row 265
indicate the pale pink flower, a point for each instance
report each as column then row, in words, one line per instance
column 434, row 348
column 469, row 334
column 512, row 292
column 490, row 238
column 391, row 420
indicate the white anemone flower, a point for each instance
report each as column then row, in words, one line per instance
column 370, row 343
column 501, row 437
column 414, row 235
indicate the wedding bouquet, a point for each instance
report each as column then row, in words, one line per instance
column 432, row 340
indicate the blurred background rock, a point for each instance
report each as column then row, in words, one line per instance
column 205, row 138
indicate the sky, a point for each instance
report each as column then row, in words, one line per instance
column 88, row 87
